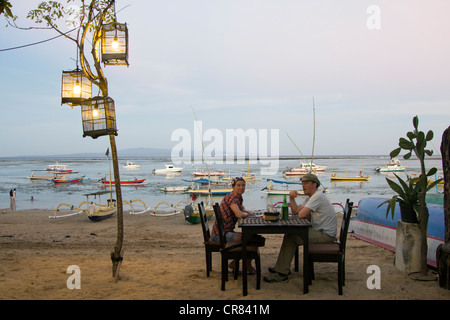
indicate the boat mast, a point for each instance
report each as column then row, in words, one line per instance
column 203, row 157
column 314, row 135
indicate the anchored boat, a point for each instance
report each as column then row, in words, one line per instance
column 131, row 165
column 271, row 190
column 169, row 169
column 360, row 177
column 133, row 182
column 393, row 165
column 67, row 180
column 371, row 224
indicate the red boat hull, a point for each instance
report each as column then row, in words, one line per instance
column 124, row 181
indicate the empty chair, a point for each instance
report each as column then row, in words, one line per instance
column 333, row 252
column 210, row 246
column 235, row 252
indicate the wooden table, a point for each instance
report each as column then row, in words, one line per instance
column 254, row 225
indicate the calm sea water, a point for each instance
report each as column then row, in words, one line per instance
column 15, row 174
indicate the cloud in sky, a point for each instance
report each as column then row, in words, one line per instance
column 244, row 64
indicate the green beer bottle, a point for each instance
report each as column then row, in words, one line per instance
column 285, row 209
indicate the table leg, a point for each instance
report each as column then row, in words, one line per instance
column 305, row 262
column 244, row 240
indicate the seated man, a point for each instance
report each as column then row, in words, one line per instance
column 318, row 209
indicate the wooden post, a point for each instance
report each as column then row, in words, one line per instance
column 443, row 251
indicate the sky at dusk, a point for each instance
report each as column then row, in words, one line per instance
column 242, row 64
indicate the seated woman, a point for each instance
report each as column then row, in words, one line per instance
column 232, row 209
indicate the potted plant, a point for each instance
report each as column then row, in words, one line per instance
column 414, row 193
column 407, row 197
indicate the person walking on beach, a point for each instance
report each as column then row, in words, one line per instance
column 316, row 208
column 12, row 199
column 232, row 209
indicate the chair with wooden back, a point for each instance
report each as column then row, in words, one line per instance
column 333, row 252
column 210, row 246
column 234, row 252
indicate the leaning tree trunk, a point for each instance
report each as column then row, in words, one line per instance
column 116, row 255
column 443, row 251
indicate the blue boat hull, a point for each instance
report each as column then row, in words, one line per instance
column 371, row 224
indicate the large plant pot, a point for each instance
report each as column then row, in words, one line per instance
column 407, row 213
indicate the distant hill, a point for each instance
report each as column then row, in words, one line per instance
column 133, row 153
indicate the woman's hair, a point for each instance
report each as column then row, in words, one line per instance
column 233, row 182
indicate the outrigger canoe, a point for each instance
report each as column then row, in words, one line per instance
column 370, row 224
column 192, row 215
column 360, row 177
column 211, row 191
column 123, row 182
column 95, row 211
column 34, row 177
column 66, row 180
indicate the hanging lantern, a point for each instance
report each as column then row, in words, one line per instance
column 75, row 87
column 115, row 44
column 99, row 117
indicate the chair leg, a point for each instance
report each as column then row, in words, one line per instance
column 296, row 260
column 236, row 269
column 340, row 276
column 224, row 272
column 311, row 270
column 343, row 271
column 208, row 262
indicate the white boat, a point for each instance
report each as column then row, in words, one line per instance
column 206, row 173
column 175, row 189
column 169, row 169
column 211, row 191
column 271, row 190
column 131, row 165
column 295, row 173
column 392, row 165
column 303, row 169
column 59, row 168
column 310, row 166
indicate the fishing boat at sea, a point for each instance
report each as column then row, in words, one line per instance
column 131, row 165
column 295, row 173
column 179, row 189
column 370, row 224
column 393, row 165
column 205, row 181
column 272, row 190
column 59, row 168
column 310, row 166
column 207, row 173
column 345, row 177
column 209, row 191
column 66, row 179
column 169, row 168
column 132, row 182
column 94, row 209
column 35, row 177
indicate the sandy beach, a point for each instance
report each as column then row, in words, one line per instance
column 164, row 259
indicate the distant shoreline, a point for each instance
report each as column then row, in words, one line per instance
column 168, row 157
